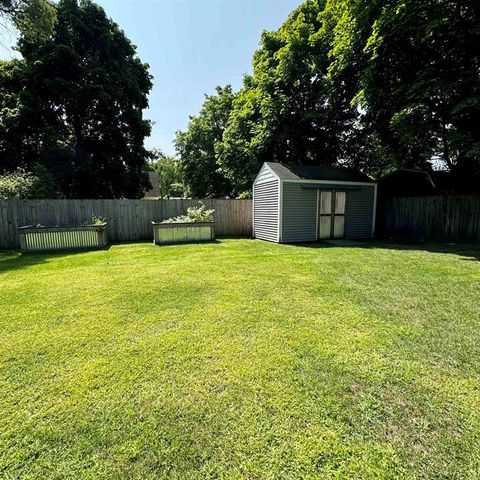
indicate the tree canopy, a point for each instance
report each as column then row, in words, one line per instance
column 32, row 18
column 374, row 84
column 367, row 83
column 75, row 104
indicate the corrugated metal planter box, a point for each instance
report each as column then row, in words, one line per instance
column 183, row 232
column 39, row 238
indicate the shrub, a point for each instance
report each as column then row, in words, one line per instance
column 246, row 195
column 194, row 214
column 17, row 184
column 22, row 184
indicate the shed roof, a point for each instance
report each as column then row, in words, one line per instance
column 306, row 172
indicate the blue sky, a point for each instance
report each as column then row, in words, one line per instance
column 192, row 46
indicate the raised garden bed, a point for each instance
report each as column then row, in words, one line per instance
column 183, row 232
column 34, row 238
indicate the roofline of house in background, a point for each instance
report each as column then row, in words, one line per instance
column 412, row 170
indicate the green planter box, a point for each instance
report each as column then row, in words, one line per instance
column 39, row 238
column 183, row 232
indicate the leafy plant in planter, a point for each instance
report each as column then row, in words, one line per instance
column 98, row 220
column 95, row 221
column 194, row 214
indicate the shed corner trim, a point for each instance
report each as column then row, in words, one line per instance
column 374, row 216
column 280, row 209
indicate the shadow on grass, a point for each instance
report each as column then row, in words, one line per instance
column 469, row 252
column 17, row 260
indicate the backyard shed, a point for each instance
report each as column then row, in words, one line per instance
column 298, row 203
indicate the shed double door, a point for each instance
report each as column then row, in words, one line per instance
column 331, row 211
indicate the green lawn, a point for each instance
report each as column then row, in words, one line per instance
column 241, row 359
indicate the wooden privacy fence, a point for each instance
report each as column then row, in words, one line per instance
column 128, row 220
column 452, row 218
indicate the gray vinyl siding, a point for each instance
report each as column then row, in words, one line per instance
column 359, row 215
column 299, row 215
column 265, row 198
column 265, row 175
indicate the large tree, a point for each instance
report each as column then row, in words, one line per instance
column 285, row 111
column 421, row 85
column 368, row 83
column 78, row 110
column 196, row 146
column 281, row 103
